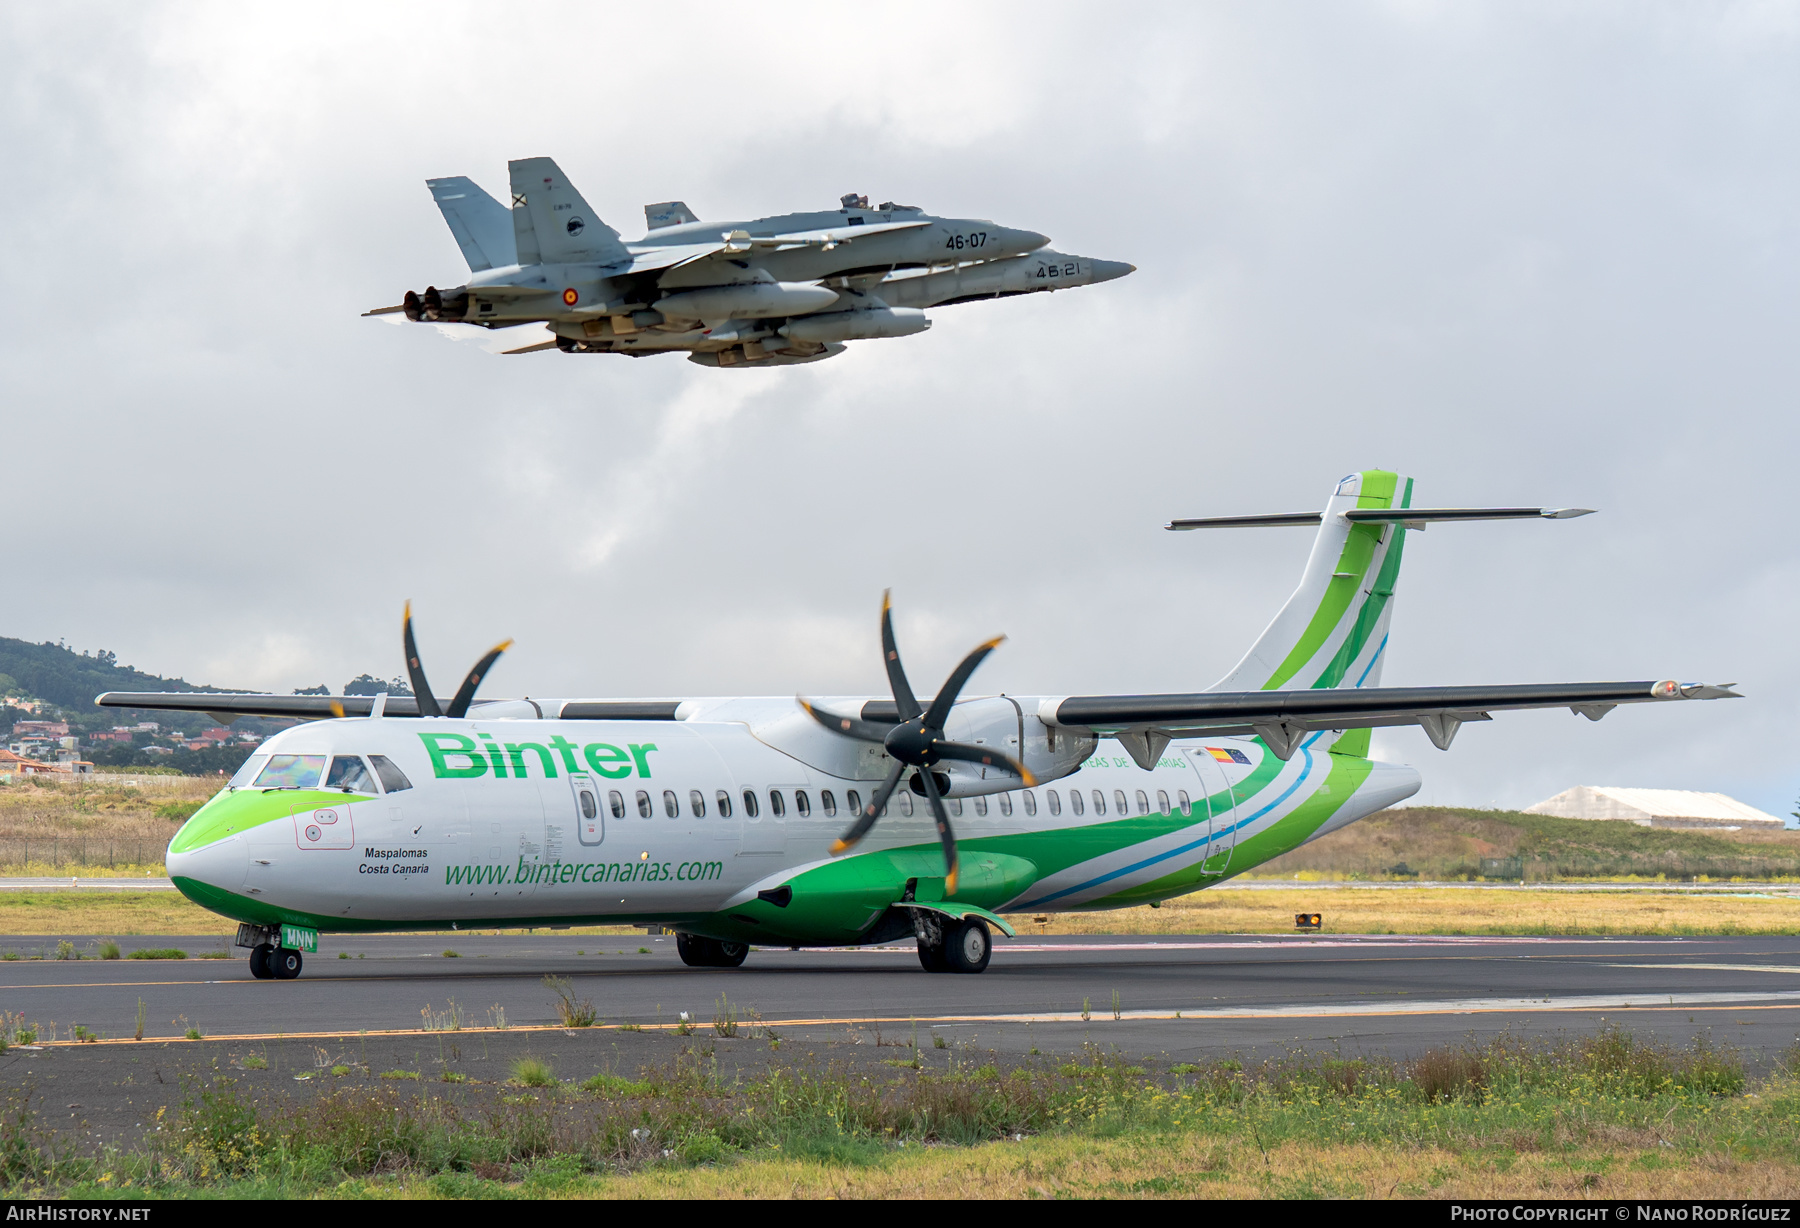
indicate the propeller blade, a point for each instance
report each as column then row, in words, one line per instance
column 870, row 813
column 890, row 657
column 986, row 758
column 415, row 673
column 849, row 726
column 946, row 836
column 953, row 685
column 465, row 694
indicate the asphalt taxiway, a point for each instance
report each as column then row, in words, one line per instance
column 1170, row 995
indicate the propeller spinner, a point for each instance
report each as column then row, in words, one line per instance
column 415, row 673
column 918, row 742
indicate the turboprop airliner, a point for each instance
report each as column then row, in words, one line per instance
column 836, row 820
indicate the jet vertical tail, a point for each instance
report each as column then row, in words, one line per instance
column 481, row 225
column 1333, row 631
column 552, row 220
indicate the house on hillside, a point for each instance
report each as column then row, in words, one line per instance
column 1680, row 808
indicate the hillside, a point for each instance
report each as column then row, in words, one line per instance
column 70, row 679
column 1440, row 843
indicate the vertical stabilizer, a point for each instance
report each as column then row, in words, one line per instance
column 1333, row 631
column 560, row 226
column 481, row 225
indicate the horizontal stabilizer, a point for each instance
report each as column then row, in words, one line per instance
column 1411, row 517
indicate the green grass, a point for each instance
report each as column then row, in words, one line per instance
column 1519, row 1115
column 1443, row 843
column 158, row 953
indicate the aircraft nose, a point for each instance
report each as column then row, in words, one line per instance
column 1030, row 240
column 1107, row 270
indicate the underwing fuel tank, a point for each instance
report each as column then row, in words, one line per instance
column 758, row 300
column 1044, row 270
column 858, row 325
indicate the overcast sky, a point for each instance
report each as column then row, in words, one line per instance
column 1524, row 253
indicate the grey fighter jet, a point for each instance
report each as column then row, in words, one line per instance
column 776, row 290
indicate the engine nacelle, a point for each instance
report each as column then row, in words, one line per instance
column 755, row 301
column 434, row 306
column 1003, row 724
column 858, row 325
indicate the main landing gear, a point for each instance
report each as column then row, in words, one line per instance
column 269, row 962
column 697, row 952
column 952, row 946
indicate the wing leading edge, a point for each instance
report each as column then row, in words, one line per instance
column 1145, row 723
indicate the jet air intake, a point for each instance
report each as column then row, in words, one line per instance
column 858, row 325
column 758, row 300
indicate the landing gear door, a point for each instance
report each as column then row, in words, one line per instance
column 1221, row 810
column 590, row 813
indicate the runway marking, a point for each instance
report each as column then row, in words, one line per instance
column 1637, row 1003
column 1714, row 967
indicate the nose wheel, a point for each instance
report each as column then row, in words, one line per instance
column 271, row 963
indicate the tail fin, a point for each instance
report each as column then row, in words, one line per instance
column 552, row 223
column 1333, row 631
column 482, row 227
column 668, row 213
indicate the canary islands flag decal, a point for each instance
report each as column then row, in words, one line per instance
column 1228, row 756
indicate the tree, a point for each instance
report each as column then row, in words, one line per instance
column 321, row 689
column 366, row 684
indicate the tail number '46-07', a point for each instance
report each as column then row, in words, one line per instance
column 957, row 243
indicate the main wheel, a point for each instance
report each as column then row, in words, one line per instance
column 730, row 954
column 695, row 952
column 931, row 958
column 284, row 964
column 967, row 945
column 259, row 961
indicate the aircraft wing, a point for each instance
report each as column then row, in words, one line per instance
column 1284, row 718
column 224, row 706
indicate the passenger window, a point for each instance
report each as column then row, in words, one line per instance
column 1099, row 801
column 671, row 804
column 697, row 803
column 588, row 808
column 291, row 772
column 981, row 807
column 1162, row 800
column 643, row 800
column 392, row 778
column 828, row 803
column 802, row 807
column 724, row 800
column 1120, row 806
column 853, row 801
column 1055, row 801
column 1075, row 802
column 905, row 799
column 749, row 803
column 617, row 802
column 1182, row 797
column 1143, row 802
column 1006, row 805
column 1030, row 800
column 776, row 807
column 955, row 806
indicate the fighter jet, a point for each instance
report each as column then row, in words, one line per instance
column 767, row 292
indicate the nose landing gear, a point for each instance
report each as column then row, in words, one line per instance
column 272, row 963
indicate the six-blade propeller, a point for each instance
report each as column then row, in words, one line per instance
column 415, row 673
column 918, row 743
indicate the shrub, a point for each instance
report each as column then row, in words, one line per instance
column 533, row 1072
column 109, row 949
column 574, row 1012
column 158, row 953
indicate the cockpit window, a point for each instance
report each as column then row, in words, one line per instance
column 291, row 772
column 349, row 773
column 247, row 773
column 392, row 778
